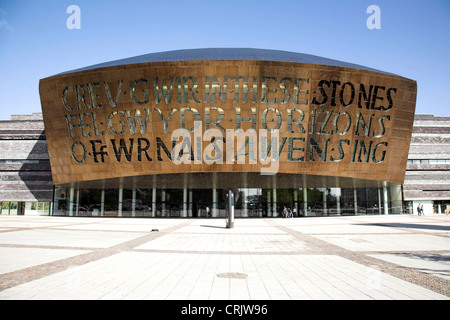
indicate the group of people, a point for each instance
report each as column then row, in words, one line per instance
column 288, row 213
column 421, row 213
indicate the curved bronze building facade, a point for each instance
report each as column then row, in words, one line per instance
column 168, row 134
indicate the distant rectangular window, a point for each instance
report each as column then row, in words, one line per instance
column 21, row 161
column 428, row 161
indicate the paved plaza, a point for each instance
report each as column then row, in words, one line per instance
column 400, row 257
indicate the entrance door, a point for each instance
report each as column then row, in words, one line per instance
column 21, row 208
column 201, row 198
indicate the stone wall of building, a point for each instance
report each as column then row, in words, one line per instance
column 25, row 173
column 427, row 179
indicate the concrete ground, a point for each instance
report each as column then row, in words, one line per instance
column 398, row 257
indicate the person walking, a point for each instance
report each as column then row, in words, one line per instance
column 207, row 211
column 285, row 212
column 421, row 211
column 418, row 210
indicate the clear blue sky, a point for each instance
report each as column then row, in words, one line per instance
column 35, row 43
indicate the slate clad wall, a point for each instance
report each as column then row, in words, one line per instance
column 428, row 169
column 25, row 173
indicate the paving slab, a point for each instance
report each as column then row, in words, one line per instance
column 400, row 257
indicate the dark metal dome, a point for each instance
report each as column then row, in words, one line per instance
column 227, row 54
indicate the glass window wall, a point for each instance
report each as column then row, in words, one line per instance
column 249, row 202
